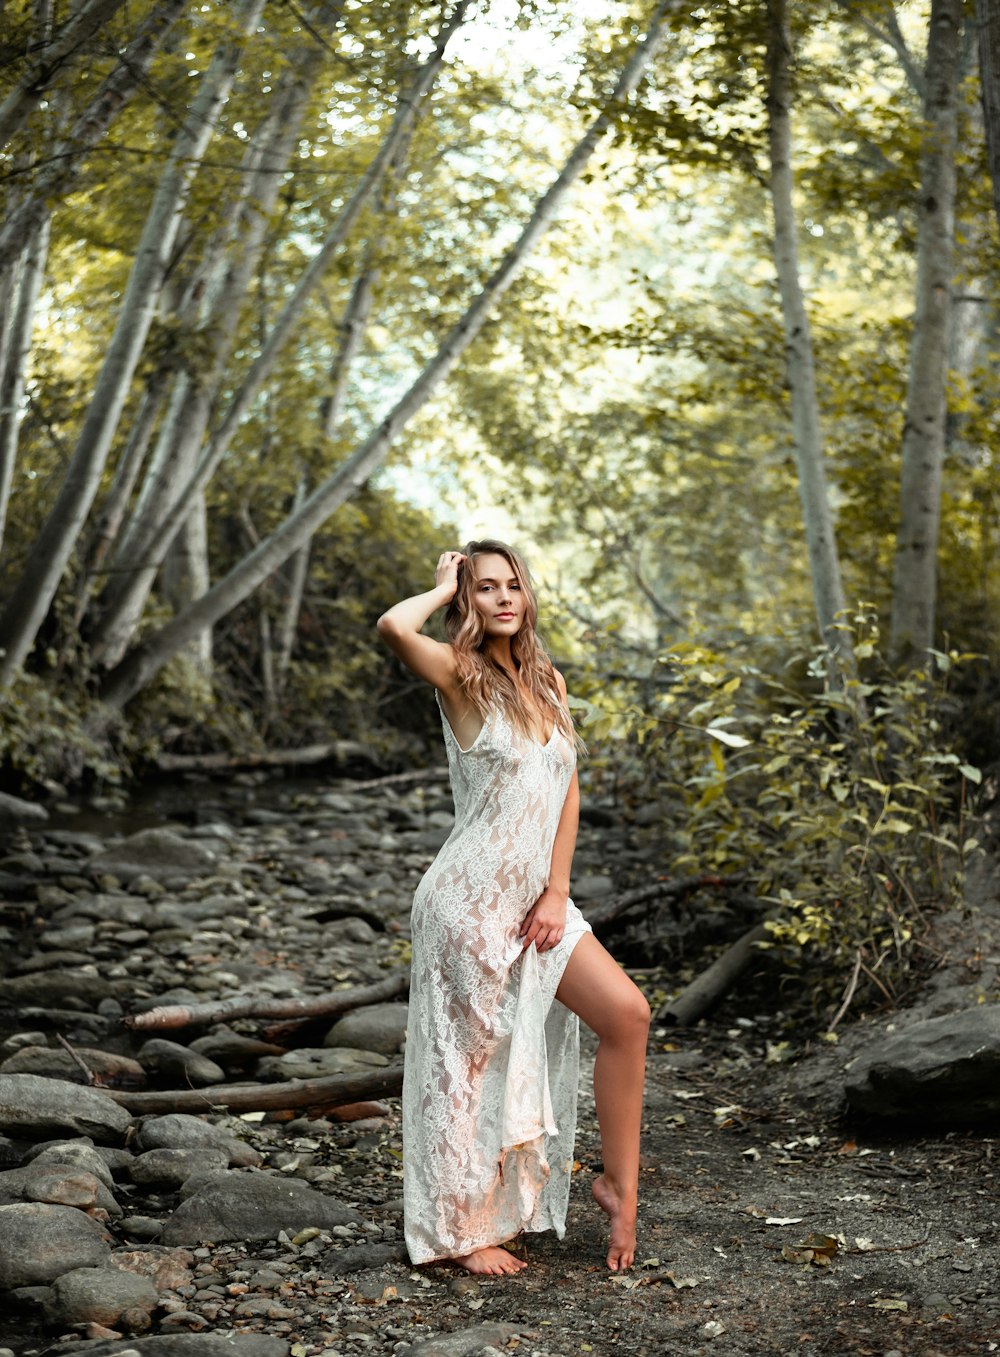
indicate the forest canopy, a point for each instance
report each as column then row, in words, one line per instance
column 696, row 303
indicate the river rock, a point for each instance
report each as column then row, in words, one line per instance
column 60, row 1184
column 157, row 853
column 58, row 1064
column 478, row 1341
column 77, row 1154
column 247, row 1206
column 103, row 1295
column 181, row 1131
column 945, row 1071
column 33, row 1108
column 55, row 989
column 167, row 1269
column 171, row 1168
column 39, row 1242
column 379, row 1027
column 317, row 1062
column 228, row 1343
column 232, row 1050
column 14, row 811
column 169, row 1057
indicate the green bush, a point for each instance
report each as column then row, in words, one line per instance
column 835, row 793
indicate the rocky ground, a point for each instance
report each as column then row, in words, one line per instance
column 773, row 1221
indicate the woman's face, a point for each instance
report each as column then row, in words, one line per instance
column 497, row 594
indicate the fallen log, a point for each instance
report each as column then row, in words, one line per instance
column 332, row 1090
column 324, row 1005
column 336, row 751
column 603, row 913
column 708, row 988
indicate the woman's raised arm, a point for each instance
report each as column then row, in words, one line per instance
column 400, row 627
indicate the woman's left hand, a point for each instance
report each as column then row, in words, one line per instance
column 545, row 922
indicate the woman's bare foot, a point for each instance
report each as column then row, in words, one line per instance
column 491, row 1261
column 621, row 1241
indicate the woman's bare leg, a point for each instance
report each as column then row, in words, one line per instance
column 596, row 988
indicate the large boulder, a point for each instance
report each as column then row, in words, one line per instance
column 158, row 853
column 39, row 1243
column 33, row 1108
column 246, row 1206
column 944, row 1071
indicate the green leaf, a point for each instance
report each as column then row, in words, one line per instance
column 973, row 774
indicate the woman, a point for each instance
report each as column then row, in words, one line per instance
column 503, row 961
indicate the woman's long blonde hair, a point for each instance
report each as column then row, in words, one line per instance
column 533, row 688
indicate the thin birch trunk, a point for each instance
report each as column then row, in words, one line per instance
column 288, row 624
column 126, row 475
column 63, row 169
column 154, row 547
column 988, row 23
column 186, row 577
column 136, row 670
column 51, row 553
column 15, row 369
column 55, row 53
column 824, row 562
column 222, row 288
column 914, row 585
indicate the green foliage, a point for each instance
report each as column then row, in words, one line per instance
column 48, row 741
column 837, row 795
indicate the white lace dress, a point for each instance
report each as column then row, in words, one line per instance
column 491, row 1065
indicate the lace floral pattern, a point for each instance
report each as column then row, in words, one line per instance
column 491, row 1066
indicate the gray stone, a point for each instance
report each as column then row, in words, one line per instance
column 103, row 1295
column 77, row 1154
column 58, row 1064
column 379, row 1027
column 59, row 1184
column 171, row 1168
column 14, row 811
column 39, row 1242
column 33, row 1107
column 945, row 1071
column 180, row 1131
column 316, row 1063
column 169, row 1057
column 230, row 1343
column 157, row 853
column 252, row 1206
column 591, row 886
column 474, row 1342
column 55, row 989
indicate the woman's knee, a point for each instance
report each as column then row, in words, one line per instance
column 629, row 1020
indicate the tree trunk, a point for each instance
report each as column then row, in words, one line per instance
column 222, row 287
column 55, row 544
column 914, row 585
column 148, row 658
column 186, row 577
column 124, row 617
column 297, row 572
column 824, row 562
column 15, row 366
column 56, row 52
column 988, row 23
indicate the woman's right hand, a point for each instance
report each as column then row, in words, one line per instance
column 446, row 572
